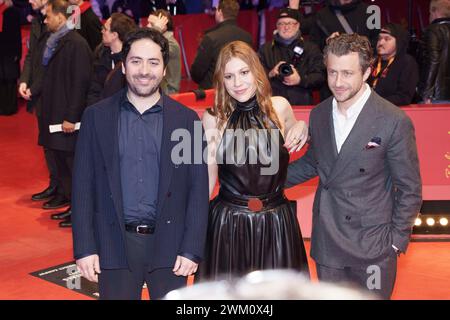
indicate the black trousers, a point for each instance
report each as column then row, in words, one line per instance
column 52, row 170
column 64, row 167
column 126, row 284
column 378, row 277
column 8, row 97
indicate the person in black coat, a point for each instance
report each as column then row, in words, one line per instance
column 395, row 73
column 434, row 84
column 67, row 60
column 327, row 22
column 108, row 58
column 89, row 26
column 226, row 31
column 294, row 66
column 30, row 89
column 10, row 54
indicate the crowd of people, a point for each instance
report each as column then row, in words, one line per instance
column 100, row 92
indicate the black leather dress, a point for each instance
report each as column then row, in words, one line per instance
column 252, row 226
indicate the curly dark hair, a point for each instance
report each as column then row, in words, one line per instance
column 150, row 34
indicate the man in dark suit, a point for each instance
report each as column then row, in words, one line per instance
column 30, row 88
column 67, row 62
column 226, row 31
column 363, row 149
column 139, row 215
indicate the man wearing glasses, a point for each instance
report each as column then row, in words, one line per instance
column 294, row 66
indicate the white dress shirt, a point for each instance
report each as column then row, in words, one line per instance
column 343, row 124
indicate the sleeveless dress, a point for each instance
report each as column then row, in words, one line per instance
column 252, row 226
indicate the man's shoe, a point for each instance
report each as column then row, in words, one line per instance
column 44, row 195
column 66, row 223
column 58, row 201
column 62, row 215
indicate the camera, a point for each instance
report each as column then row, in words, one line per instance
column 285, row 70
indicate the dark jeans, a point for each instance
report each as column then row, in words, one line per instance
column 126, row 284
column 365, row 277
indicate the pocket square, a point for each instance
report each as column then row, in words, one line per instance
column 373, row 143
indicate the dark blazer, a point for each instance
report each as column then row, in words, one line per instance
column 97, row 214
column 367, row 198
column 64, row 90
column 202, row 69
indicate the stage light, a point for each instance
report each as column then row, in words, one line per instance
column 443, row 222
column 418, row 222
column 430, row 222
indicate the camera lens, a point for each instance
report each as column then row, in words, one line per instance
column 285, row 69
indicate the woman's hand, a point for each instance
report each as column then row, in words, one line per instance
column 296, row 136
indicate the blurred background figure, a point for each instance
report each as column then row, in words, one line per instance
column 162, row 21
column 67, row 60
column 395, row 73
column 10, row 55
column 434, row 84
column 131, row 8
column 343, row 16
column 108, row 78
column 340, row 16
column 270, row 285
column 89, row 27
column 294, row 66
column 225, row 31
column 30, row 89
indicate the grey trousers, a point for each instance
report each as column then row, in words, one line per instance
column 378, row 277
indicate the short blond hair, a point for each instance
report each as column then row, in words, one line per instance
column 441, row 6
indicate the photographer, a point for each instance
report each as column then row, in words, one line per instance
column 294, row 66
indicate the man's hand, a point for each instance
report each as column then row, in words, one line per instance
column 184, row 267
column 274, row 72
column 158, row 22
column 333, row 35
column 294, row 79
column 89, row 267
column 427, row 101
column 24, row 91
column 68, row 127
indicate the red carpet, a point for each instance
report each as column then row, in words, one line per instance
column 30, row 241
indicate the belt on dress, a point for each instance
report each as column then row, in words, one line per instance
column 253, row 203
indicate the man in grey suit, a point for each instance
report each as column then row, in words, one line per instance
column 363, row 149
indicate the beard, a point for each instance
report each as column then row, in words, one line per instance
column 348, row 95
column 144, row 91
